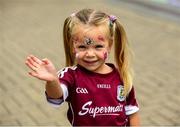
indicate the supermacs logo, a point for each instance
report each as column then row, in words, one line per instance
column 98, row 111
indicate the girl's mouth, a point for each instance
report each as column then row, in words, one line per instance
column 90, row 62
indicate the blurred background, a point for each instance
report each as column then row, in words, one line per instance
column 35, row 27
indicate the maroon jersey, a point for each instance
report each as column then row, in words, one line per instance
column 95, row 99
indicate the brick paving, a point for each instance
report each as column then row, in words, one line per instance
column 35, row 27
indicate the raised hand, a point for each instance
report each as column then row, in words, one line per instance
column 41, row 69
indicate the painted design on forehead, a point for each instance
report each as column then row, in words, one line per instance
column 88, row 41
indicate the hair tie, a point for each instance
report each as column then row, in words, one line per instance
column 112, row 19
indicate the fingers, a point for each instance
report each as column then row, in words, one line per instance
column 33, row 74
column 30, row 65
column 35, row 59
column 33, row 62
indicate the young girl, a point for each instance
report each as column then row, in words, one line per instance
column 98, row 93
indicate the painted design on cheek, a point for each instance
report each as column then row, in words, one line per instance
column 77, row 55
column 105, row 55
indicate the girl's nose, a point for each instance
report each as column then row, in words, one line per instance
column 90, row 53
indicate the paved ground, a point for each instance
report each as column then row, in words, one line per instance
column 35, row 27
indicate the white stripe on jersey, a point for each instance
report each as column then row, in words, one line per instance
column 65, row 91
column 64, row 70
column 72, row 122
column 131, row 109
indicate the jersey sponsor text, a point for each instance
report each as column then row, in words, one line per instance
column 95, row 111
column 104, row 86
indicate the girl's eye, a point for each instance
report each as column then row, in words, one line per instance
column 81, row 47
column 99, row 46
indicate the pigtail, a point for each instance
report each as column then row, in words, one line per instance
column 122, row 55
column 67, row 42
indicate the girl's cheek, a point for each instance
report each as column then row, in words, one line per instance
column 76, row 54
column 103, row 55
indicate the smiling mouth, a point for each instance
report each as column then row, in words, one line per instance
column 90, row 62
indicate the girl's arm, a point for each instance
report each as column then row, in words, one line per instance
column 53, row 89
column 45, row 70
column 134, row 119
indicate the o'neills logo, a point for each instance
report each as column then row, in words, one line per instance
column 97, row 111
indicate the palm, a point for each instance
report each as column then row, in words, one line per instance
column 46, row 72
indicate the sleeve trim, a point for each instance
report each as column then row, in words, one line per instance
column 65, row 91
column 58, row 101
column 131, row 109
column 53, row 101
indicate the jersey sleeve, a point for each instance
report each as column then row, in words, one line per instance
column 66, row 79
column 131, row 103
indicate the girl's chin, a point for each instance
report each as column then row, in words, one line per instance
column 93, row 68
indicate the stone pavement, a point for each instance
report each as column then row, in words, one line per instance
column 35, row 27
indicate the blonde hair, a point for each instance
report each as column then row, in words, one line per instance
column 116, row 32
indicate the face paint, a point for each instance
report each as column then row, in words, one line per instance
column 105, row 55
column 88, row 41
column 100, row 38
column 75, row 39
column 77, row 55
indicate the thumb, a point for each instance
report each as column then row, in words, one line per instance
column 45, row 61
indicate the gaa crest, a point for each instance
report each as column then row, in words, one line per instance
column 120, row 93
